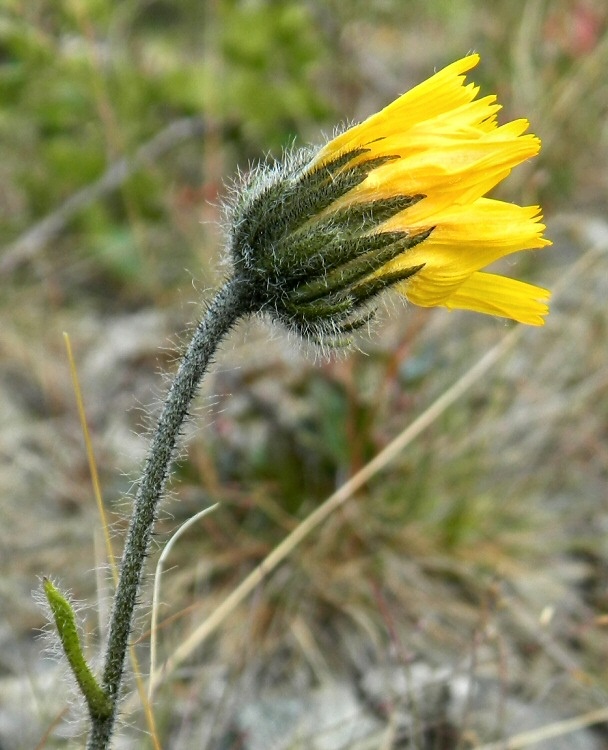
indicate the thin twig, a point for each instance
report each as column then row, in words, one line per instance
column 91, row 457
column 547, row 732
column 35, row 239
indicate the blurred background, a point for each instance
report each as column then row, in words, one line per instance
column 461, row 597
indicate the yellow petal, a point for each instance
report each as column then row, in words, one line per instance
column 446, row 170
column 494, row 295
column 447, row 147
column 472, row 235
column 439, row 94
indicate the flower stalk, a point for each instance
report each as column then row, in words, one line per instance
column 231, row 302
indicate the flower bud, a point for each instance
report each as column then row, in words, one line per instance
column 396, row 201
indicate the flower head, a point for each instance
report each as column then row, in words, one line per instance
column 396, row 201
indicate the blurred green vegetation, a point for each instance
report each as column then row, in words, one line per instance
column 205, row 88
column 86, row 83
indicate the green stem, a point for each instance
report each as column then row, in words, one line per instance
column 232, row 302
column 65, row 620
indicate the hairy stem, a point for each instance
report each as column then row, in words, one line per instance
column 231, row 302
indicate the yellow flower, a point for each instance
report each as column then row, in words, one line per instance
column 397, row 201
column 451, row 150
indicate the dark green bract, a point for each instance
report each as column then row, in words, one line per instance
column 314, row 269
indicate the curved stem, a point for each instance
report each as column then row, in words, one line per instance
column 231, row 302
